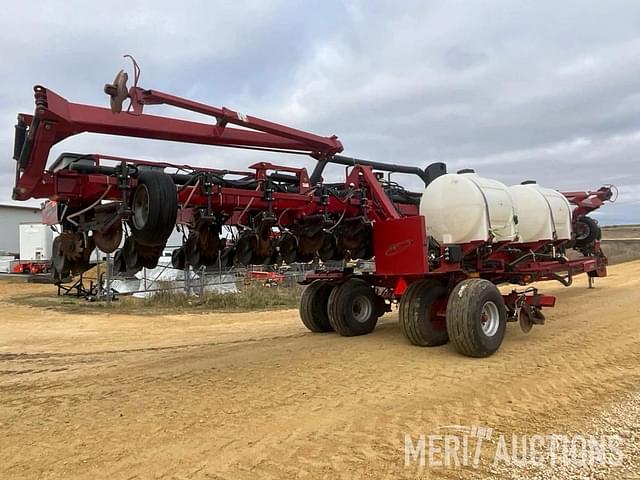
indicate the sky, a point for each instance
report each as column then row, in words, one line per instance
column 517, row 90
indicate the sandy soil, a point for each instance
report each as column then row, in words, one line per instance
column 213, row 396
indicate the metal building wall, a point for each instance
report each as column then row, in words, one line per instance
column 10, row 219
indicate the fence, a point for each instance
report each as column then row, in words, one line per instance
column 192, row 281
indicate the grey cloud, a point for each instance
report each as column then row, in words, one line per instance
column 517, row 90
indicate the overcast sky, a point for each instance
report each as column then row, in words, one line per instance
column 515, row 89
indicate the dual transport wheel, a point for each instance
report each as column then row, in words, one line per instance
column 420, row 318
column 349, row 309
column 476, row 317
column 472, row 316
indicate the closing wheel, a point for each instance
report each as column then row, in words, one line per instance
column 191, row 251
column 418, row 313
column 245, row 248
column 178, row 258
column 57, row 258
column 524, row 319
column 476, row 318
column 154, row 208
column 119, row 265
column 329, row 248
column 352, row 308
column 130, row 255
column 59, row 266
column 288, row 248
column 227, row 256
column 313, row 306
column 70, row 245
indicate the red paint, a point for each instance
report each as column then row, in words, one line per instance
column 400, row 246
column 400, row 241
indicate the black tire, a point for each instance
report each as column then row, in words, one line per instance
column 469, row 302
column 155, row 206
column 313, row 306
column 417, row 322
column 587, row 231
column 353, row 308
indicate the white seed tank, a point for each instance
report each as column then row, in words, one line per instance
column 543, row 214
column 464, row 207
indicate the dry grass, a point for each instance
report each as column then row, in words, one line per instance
column 249, row 298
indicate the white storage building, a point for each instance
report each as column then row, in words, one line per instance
column 11, row 216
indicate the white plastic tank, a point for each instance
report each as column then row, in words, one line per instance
column 35, row 241
column 464, row 207
column 543, row 214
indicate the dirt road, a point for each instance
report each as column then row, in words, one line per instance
column 232, row 396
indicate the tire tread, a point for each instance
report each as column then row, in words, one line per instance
column 414, row 309
column 313, row 306
column 462, row 311
column 163, row 209
column 342, row 323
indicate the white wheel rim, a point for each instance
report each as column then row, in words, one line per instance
column 361, row 309
column 490, row 319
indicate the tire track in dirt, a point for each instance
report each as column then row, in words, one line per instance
column 312, row 406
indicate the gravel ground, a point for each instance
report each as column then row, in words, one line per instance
column 621, row 419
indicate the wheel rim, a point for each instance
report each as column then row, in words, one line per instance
column 490, row 319
column 361, row 309
column 141, row 207
column 582, row 230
